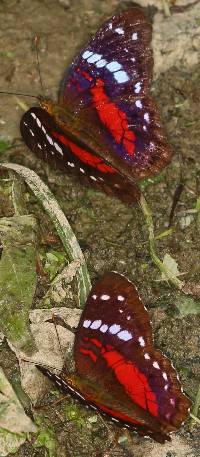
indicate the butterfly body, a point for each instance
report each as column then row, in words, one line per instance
column 105, row 124
column 118, row 370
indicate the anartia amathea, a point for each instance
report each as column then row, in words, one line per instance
column 105, row 127
column 118, row 370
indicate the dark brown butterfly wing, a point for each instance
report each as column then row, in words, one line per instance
column 118, row 370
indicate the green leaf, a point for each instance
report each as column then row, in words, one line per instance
column 73, row 413
column 47, row 438
column 4, row 145
column 54, row 261
column 17, row 279
column 187, row 305
column 171, row 265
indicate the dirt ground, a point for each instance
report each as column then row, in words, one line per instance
column 112, row 236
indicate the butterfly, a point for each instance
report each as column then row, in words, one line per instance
column 117, row 369
column 105, row 127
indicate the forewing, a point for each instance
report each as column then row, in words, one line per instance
column 119, row 54
column 107, row 89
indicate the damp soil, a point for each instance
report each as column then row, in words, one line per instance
column 112, row 236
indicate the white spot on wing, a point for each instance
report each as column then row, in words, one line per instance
column 105, row 297
column 44, row 130
column 124, row 335
column 58, row 148
column 93, row 178
column 71, row 164
column 94, row 58
column 119, row 30
column 96, row 324
column 133, row 59
column 137, row 87
column 86, row 323
column 33, row 115
column 146, row 356
column 31, row 131
column 113, row 66
column 134, row 36
column 87, row 54
column 39, row 146
column 156, row 365
column 57, row 377
column 141, row 341
column 79, row 395
column 94, row 297
column 146, row 117
column 104, row 328
column 165, row 375
column 120, row 298
column 81, row 170
column 121, row 76
column 49, row 139
column 70, row 388
column 115, row 328
column 138, row 103
column 101, row 63
column 38, row 122
column 144, row 128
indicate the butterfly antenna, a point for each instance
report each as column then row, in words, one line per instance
column 36, row 41
column 18, row 93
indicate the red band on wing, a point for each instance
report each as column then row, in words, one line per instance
column 113, row 118
column 85, row 156
column 134, row 382
column 96, row 342
column 90, row 353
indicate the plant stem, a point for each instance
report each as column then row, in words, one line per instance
column 149, row 222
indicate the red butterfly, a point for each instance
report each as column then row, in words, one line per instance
column 118, row 371
column 105, row 127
